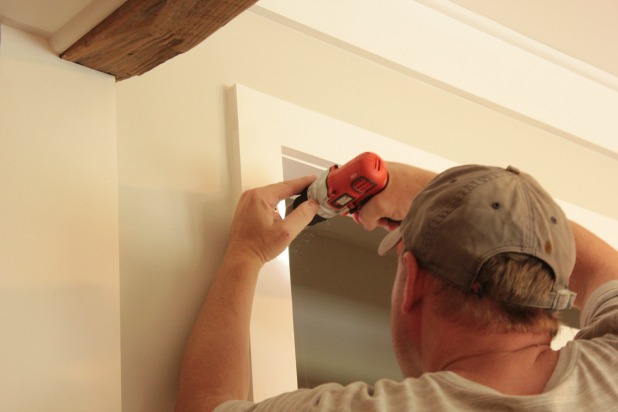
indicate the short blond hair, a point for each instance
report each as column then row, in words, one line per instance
column 502, row 280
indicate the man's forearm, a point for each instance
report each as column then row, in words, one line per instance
column 216, row 365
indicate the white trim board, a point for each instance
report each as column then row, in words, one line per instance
column 442, row 43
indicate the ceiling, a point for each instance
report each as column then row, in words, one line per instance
column 42, row 17
column 582, row 29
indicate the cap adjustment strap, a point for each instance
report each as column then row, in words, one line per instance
column 563, row 299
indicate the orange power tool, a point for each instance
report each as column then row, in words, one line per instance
column 343, row 190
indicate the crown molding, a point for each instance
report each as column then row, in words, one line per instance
column 438, row 42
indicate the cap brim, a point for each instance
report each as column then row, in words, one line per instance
column 389, row 242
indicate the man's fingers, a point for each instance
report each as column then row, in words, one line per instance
column 369, row 215
column 292, row 187
column 389, row 224
column 300, row 217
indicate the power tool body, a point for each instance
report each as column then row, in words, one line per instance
column 343, row 190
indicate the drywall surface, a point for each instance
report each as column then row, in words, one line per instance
column 175, row 195
column 59, row 284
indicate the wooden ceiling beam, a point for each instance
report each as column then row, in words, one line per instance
column 142, row 34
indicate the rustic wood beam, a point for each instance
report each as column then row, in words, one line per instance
column 141, row 34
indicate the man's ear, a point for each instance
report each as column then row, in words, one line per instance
column 412, row 286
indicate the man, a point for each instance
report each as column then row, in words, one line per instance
column 484, row 258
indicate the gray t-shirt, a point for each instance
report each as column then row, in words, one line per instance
column 585, row 378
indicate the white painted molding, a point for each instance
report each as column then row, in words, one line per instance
column 486, row 63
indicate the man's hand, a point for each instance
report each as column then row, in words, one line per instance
column 391, row 205
column 258, row 231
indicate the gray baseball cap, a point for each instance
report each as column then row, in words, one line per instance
column 469, row 214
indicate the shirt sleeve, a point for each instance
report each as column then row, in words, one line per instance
column 299, row 400
column 385, row 395
column 234, row 406
column 600, row 314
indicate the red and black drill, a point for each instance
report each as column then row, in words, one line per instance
column 343, row 190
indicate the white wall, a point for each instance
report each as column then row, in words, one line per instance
column 175, row 186
column 59, row 284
